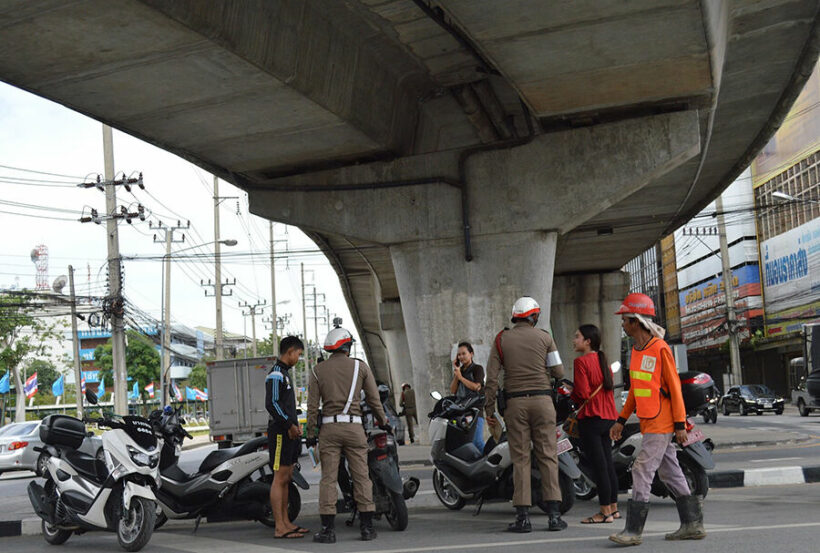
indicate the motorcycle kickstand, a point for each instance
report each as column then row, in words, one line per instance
column 479, row 505
column 196, row 524
column 349, row 522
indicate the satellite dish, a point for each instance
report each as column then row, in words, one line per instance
column 59, row 283
column 35, row 255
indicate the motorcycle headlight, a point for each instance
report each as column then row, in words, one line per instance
column 143, row 459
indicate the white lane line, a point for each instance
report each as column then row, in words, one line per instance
column 424, row 492
column 772, row 460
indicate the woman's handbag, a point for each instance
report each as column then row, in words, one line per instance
column 570, row 425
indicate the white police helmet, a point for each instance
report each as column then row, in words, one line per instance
column 526, row 308
column 337, row 339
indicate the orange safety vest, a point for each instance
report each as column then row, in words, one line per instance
column 645, row 370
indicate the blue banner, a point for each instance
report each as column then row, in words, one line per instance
column 58, row 388
column 4, row 383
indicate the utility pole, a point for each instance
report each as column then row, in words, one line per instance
column 731, row 318
column 253, row 311
column 218, row 292
column 168, row 239
column 273, row 337
column 115, row 279
column 304, row 322
column 78, row 373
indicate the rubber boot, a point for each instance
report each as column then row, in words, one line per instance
column 366, row 526
column 522, row 521
column 328, row 532
column 636, row 512
column 556, row 524
column 691, row 519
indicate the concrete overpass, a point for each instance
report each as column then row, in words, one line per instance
column 447, row 156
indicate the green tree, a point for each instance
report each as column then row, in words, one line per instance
column 22, row 334
column 142, row 361
column 46, row 373
column 198, row 377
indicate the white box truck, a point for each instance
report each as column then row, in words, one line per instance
column 236, row 389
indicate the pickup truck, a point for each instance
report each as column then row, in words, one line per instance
column 805, row 371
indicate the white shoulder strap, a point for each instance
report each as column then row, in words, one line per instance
column 352, row 387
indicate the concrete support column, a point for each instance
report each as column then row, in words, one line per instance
column 588, row 299
column 446, row 300
column 395, row 340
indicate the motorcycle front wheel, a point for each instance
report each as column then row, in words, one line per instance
column 446, row 494
column 136, row 525
column 397, row 515
column 585, row 488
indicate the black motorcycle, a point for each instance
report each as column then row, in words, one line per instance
column 389, row 491
column 230, row 484
column 694, row 457
column 463, row 473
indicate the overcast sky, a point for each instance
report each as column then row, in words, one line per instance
column 39, row 135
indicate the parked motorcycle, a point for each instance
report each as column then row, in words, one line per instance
column 694, row 456
column 224, row 487
column 709, row 413
column 463, row 473
column 390, row 492
column 83, row 493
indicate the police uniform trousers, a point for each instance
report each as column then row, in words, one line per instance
column 532, row 419
column 411, row 422
column 334, row 439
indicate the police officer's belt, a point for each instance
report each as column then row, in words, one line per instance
column 529, row 393
column 342, row 418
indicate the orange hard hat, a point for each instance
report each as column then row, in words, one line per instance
column 637, row 303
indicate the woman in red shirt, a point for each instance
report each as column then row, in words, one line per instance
column 595, row 419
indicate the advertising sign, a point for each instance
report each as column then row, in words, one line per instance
column 703, row 307
column 791, row 278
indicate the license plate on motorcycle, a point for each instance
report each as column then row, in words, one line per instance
column 693, row 436
column 564, row 446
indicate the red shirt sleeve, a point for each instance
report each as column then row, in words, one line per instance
column 580, row 390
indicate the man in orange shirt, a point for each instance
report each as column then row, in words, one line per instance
column 655, row 396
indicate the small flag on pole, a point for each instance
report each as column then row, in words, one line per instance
column 57, row 388
column 200, row 395
column 177, row 391
column 31, row 386
column 4, row 383
column 150, row 389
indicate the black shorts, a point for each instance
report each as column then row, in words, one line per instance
column 283, row 451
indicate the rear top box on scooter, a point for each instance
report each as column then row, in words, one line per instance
column 696, row 387
column 62, row 430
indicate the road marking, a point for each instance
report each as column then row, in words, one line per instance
column 776, row 459
column 773, row 476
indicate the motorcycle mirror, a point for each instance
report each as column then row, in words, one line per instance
column 90, row 396
column 616, row 366
column 435, row 395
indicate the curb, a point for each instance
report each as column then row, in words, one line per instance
column 774, row 476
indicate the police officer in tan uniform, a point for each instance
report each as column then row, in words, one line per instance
column 338, row 382
column 529, row 359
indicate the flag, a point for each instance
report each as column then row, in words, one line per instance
column 150, row 389
column 31, row 386
column 190, row 395
column 176, row 390
column 135, row 391
column 82, row 380
column 57, row 388
column 4, row 383
column 101, row 389
column 200, row 395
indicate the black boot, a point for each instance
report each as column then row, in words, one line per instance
column 522, row 521
column 556, row 524
column 366, row 526
column 691, row 519
column 636, row 512
column 328, row 532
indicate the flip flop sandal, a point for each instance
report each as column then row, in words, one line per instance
column 301, row 530
column 292, row 535
column 591, row 520
column 616, row 515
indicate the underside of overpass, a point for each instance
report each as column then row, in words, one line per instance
column 446, row 156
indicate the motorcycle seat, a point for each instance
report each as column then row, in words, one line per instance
column 216, row 458
column 176, row 474
column 86, row 465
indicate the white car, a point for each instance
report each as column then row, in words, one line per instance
column 17, row 443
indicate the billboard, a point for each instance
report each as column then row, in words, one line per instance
column 703, row 311
column 797, row 137
column 791, row 278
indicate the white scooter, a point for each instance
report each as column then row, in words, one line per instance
column 82, row 493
